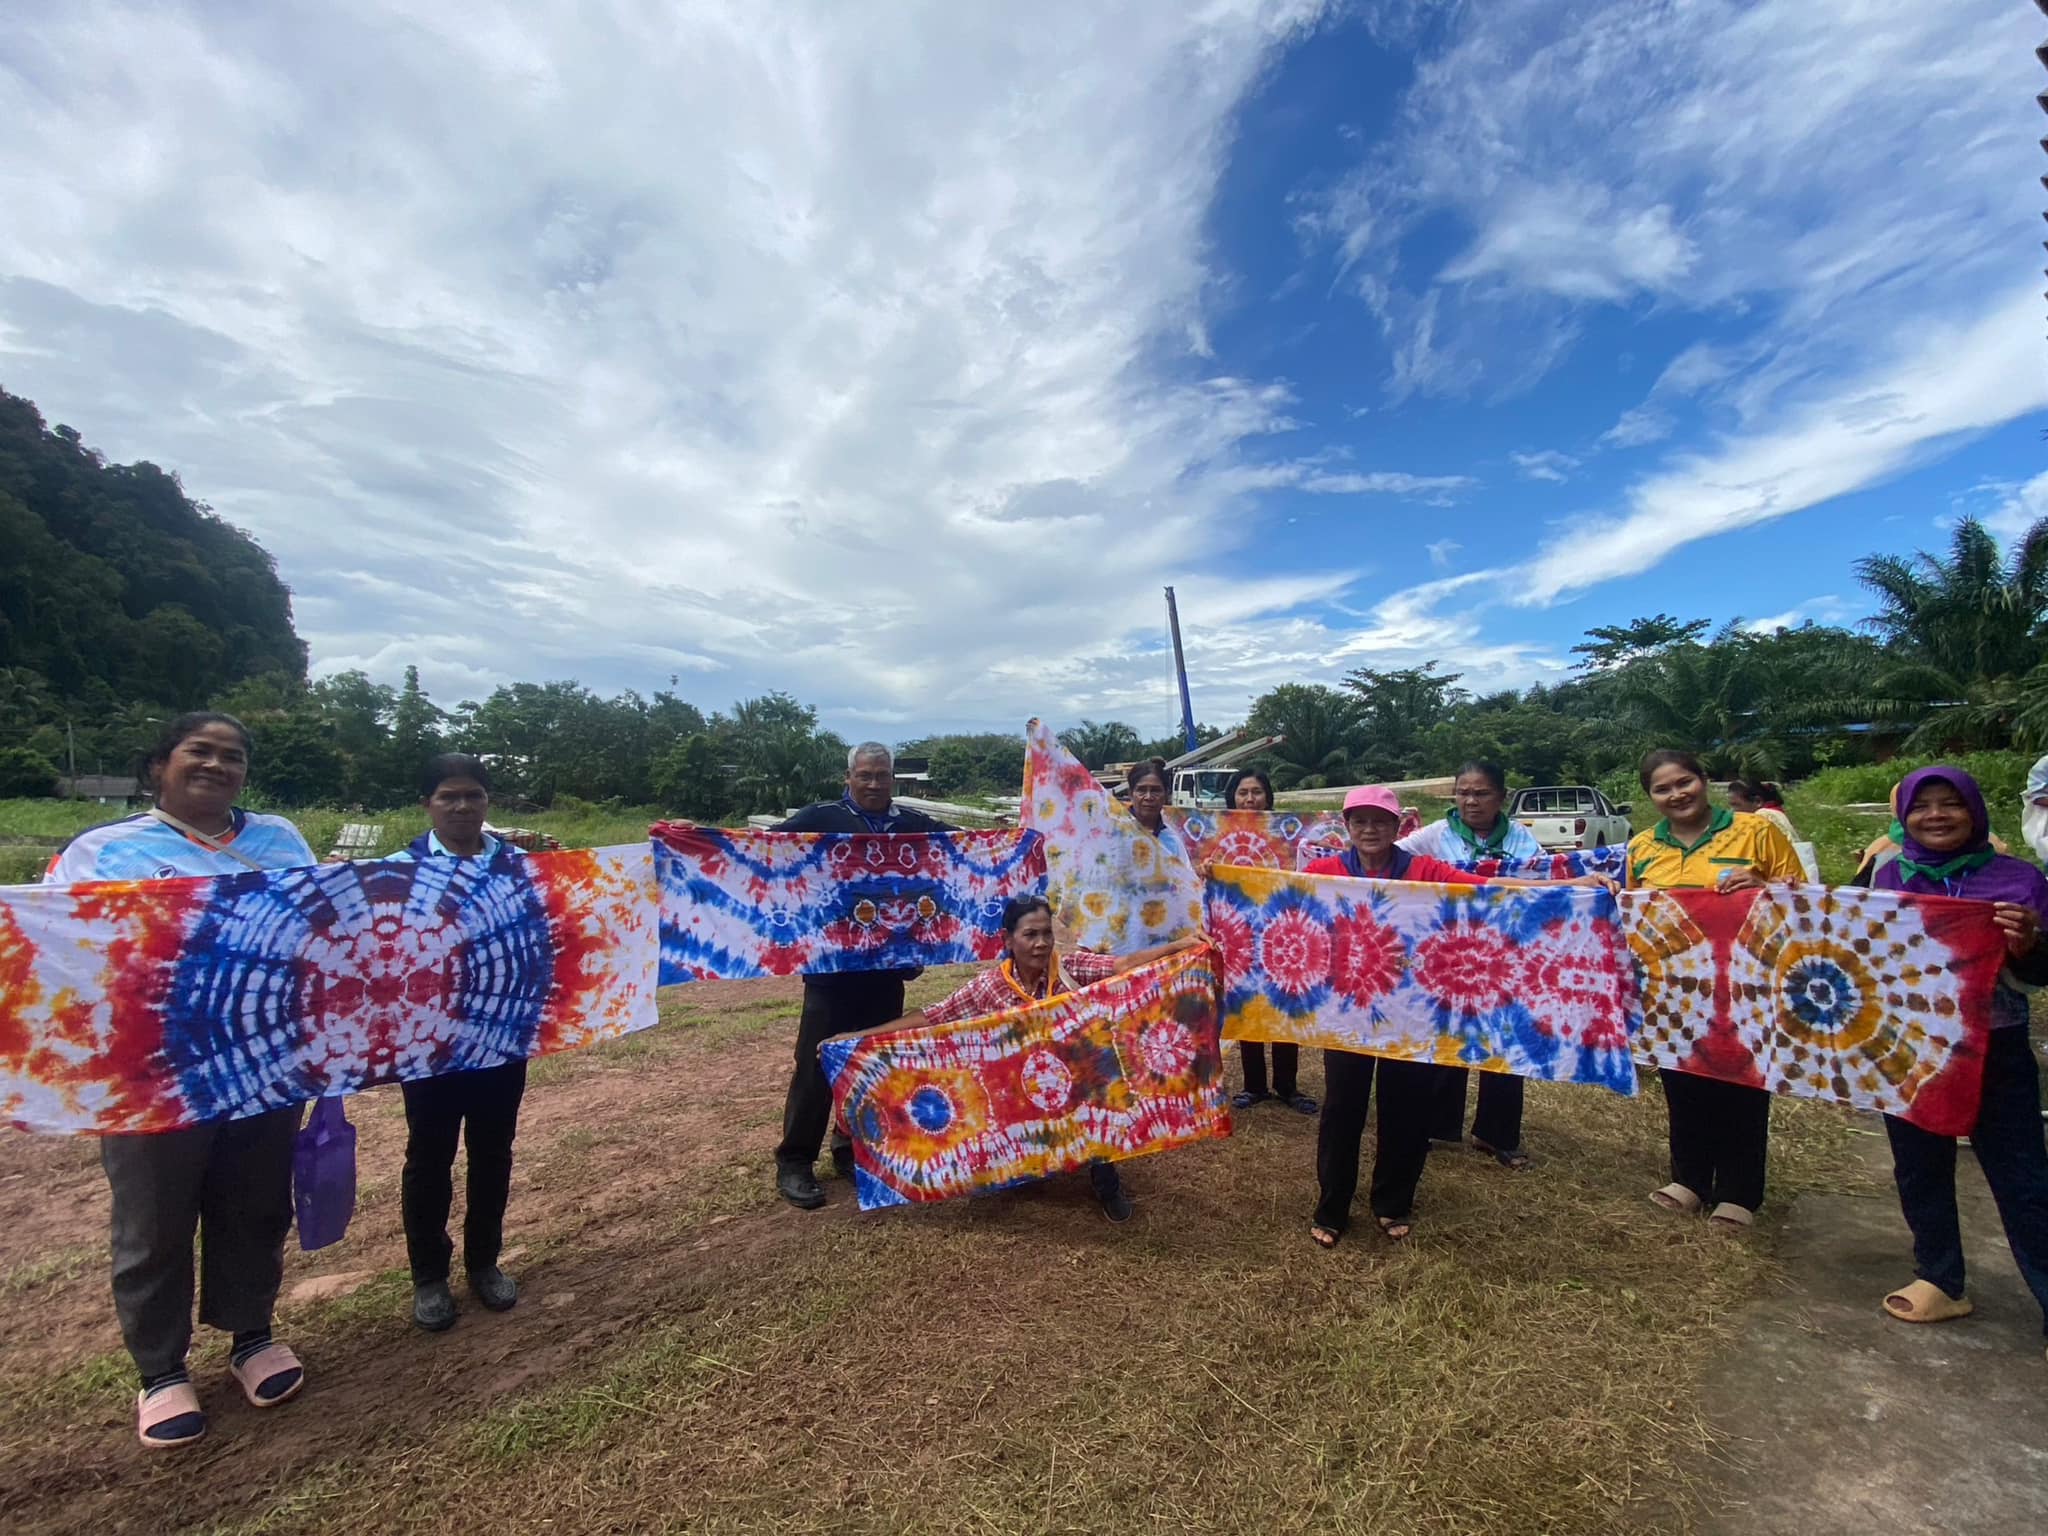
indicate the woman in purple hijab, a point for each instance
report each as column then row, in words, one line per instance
column 1947, row 852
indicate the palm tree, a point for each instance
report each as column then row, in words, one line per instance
column 1713, row 699
column 1099, row 745
column 1968, row 631
column 1322, row 727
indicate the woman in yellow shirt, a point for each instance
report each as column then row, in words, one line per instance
column 1720, row 1131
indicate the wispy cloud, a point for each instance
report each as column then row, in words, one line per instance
column 1546, row 464
column 1441, row 551
column 1804, row 163
column 2015, row 508
column 1826, row 609
column 1947, row 383
column 853, row 352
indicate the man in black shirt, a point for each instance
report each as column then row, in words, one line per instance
column 840, row 1004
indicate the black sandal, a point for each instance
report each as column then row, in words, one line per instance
column 1244, row 1098
column 1325, row 1238
column 1396, row 1228
column 1514, row 1159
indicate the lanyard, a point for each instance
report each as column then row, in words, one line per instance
column 1057, row 984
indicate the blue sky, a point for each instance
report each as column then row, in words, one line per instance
column 897, row 355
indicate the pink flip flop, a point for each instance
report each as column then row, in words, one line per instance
column 154, row 1410
column 270, row 1365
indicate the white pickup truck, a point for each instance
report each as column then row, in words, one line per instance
column 1570, row 816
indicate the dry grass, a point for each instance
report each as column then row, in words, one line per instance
column 1528, row 1362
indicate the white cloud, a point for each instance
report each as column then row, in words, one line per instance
column 1946, row 383
column 2018, row 507
column 1638, row 426
column 1812, row 171
column 1826, row 609
column 853, row 352
column 1441, row 551
column 1572, row 242
column 1548, row 464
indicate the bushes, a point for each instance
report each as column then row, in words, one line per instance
column 2002, row 775
column 24, row 773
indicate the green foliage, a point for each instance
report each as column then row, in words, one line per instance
column 118, row 586
column 1398, row 710
column 1322, row 728
column 1967, row 635
column 987, row 764
column 1614, row 645
column 23, row 772
column 2001, row 775
column 1098, row 745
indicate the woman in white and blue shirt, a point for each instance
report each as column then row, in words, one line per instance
column 227, row 1183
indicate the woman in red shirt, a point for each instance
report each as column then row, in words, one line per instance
column 1372, row 818
column 1033, row 972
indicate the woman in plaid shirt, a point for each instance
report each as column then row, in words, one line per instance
column 1033, row 971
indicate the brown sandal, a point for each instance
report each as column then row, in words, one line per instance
column 1729, row 1217
column 1925, row 1302
column 1677, row 1199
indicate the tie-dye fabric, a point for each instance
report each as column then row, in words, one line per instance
column 148, row 1006
column 1565, row 864
column 1119, row 1069
column 1530, row 981
column 736, row 905
column 1869, row 998
column 1252, row 839
column 1114, row 886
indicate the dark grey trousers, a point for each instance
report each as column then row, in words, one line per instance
column 228, row 1181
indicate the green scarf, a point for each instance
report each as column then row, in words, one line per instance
column 1950, row 869
column 1493, row 842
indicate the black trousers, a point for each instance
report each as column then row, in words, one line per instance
column 1408, row 1093
column 482, row 1109
column 2007, row 1139
column 230, row 1183
column 1720, row 1136
column 1286, row 1067
column 834, row 1005
column 1498, row 1120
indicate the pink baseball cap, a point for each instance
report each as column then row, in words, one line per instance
column 1373, row 797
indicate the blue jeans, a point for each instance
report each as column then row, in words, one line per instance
column 2014, row 1156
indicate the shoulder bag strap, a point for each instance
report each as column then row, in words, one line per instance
column 210, row 843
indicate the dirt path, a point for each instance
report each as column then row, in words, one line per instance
column 605, row 1238
column 1841, row 1421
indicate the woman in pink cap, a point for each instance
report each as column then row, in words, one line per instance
column 1372, row 820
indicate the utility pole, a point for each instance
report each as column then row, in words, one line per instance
column 1180, row 671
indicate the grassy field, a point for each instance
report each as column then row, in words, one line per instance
column 692, row 1355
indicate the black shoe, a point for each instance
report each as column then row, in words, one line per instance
column 494, row 1288
column 1109, row 1189
column 842, row 1161
column 799, row 1186
column 433, row 1307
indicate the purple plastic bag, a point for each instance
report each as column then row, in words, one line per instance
column 324, row 1175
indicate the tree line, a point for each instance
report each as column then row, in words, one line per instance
column 130, row 602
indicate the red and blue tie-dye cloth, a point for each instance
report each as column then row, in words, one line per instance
column 152, row 1005
column 1117, row 1069
column 739, row 904
column 1534, row 981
